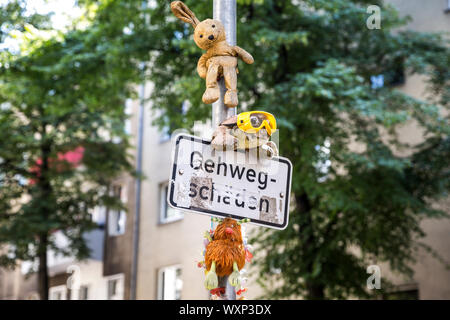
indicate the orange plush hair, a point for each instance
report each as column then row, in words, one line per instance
column 226, row 248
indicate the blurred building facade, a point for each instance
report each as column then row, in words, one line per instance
column 170, row 243
column 103, row 276
column 431, row 280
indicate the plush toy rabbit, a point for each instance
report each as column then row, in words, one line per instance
column 220, row 58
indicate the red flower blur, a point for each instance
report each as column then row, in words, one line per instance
column 72, row 157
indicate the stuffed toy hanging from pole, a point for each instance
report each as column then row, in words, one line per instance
column 225, row 253
column 247, row 130
column 220, row 59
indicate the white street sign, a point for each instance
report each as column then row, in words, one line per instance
column 229, row 183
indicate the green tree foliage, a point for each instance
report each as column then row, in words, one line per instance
column 356, row 184
column 60, row 93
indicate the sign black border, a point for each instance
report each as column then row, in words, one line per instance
column 219, row 214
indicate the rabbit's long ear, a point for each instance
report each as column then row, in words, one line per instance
column 182, row 12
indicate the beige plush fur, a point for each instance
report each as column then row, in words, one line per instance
column 220, row 59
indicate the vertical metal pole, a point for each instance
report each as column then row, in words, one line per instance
column 137, row 210
column 225, row 12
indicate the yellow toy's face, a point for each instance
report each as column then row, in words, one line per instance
column 253, row 121
column 253, row 129
column 209, row 32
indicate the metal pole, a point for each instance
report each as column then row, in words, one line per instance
column 138, row 184
column 225, row 12
column 137, row 210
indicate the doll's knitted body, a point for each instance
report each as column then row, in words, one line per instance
column 225, row 254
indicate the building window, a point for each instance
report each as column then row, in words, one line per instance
column 168, row 130
column 164, row 134
column 402, row 295
column 32, row 296
column 58, row 293
column 396, row 75
column 99, row 216
column 84, row 293
column 447, row 10
column 167, row 213
column 117, row 218
column 402, row 292
column 115, row 287
column 377, row 81
column 170, row 283
column 128, row 110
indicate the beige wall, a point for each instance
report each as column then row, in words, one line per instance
column 91, row 275
column 175, row 243
column 428, row 15
column 431, row 277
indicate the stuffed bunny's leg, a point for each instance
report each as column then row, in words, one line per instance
column 231, row 98
column 212, row 91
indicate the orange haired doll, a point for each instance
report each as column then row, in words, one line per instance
column 225, row 255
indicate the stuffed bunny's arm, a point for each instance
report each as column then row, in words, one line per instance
column 244, row 55
column 201, row 66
